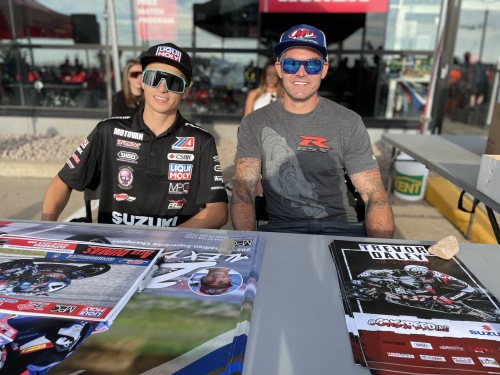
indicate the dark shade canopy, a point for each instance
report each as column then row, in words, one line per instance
column 33, row 20
column 242, row 21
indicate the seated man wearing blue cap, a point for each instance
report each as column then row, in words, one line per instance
column 154, row 168
column 301, row 145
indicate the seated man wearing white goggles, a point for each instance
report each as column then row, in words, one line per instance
column 154, row 168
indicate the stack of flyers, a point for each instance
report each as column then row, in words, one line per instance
column 68, row 277
column 408, row 311
column 191, row 313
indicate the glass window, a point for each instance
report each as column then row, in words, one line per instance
column 220, row 84
column 403, row 85
column 375, row 31
column 470, row 97
column 412, row 24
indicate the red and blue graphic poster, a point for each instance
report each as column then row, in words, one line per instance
column 190, row 315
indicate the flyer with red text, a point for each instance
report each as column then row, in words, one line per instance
column 190, row 314
column 413, row 312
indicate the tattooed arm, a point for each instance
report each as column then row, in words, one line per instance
column 247, row 176
column 379, row 219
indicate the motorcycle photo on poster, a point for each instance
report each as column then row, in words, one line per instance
column 409, row 311
column 407, row 280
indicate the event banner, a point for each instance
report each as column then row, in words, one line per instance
column 323, row 6
column 191, row 315
column 156, row 20
column 408, row 311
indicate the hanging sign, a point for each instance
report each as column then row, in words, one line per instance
column 323, row 6
column 156, row 20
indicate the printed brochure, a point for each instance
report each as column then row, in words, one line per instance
column 192, row 313
column 408, row 311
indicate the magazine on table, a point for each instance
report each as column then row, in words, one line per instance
column 192, row 314
column 69, row 278
column 409, row 311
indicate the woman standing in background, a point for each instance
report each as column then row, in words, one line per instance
column 270, row 88
column 127, row 101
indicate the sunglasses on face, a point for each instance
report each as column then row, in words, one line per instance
column 292, row 66
column 134, row 74
column 174, row 83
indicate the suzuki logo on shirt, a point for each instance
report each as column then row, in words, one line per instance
column 184, row 143
column 312, row 143
column 152, row 221
column 180, row 171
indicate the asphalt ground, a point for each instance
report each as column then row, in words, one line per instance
column 21, row 198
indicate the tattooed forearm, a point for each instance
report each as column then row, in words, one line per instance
column 368, row 183
column 379, row 216
column 242, row 201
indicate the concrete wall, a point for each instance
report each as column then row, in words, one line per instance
column 45, row 125
column 225, row 133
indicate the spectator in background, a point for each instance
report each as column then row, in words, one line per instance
column 250, row 76
column 480, row 85
column 127, row 101
column 270, row 88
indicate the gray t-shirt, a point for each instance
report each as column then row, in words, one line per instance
column 303, row 159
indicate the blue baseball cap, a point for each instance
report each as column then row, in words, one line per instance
column 302, row 36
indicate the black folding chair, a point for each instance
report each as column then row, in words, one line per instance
column 88, row 196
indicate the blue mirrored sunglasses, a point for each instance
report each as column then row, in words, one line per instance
column 153, row 78
column 292, row 66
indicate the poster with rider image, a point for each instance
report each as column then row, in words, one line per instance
column 409, row 311
column 68, row 277
column 192, row 314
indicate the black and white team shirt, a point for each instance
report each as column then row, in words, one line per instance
column 147, row 180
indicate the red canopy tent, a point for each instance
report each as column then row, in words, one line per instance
column 33, row 20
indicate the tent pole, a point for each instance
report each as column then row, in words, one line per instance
column 114, row 45
column 109, row 90
column 17, row 53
